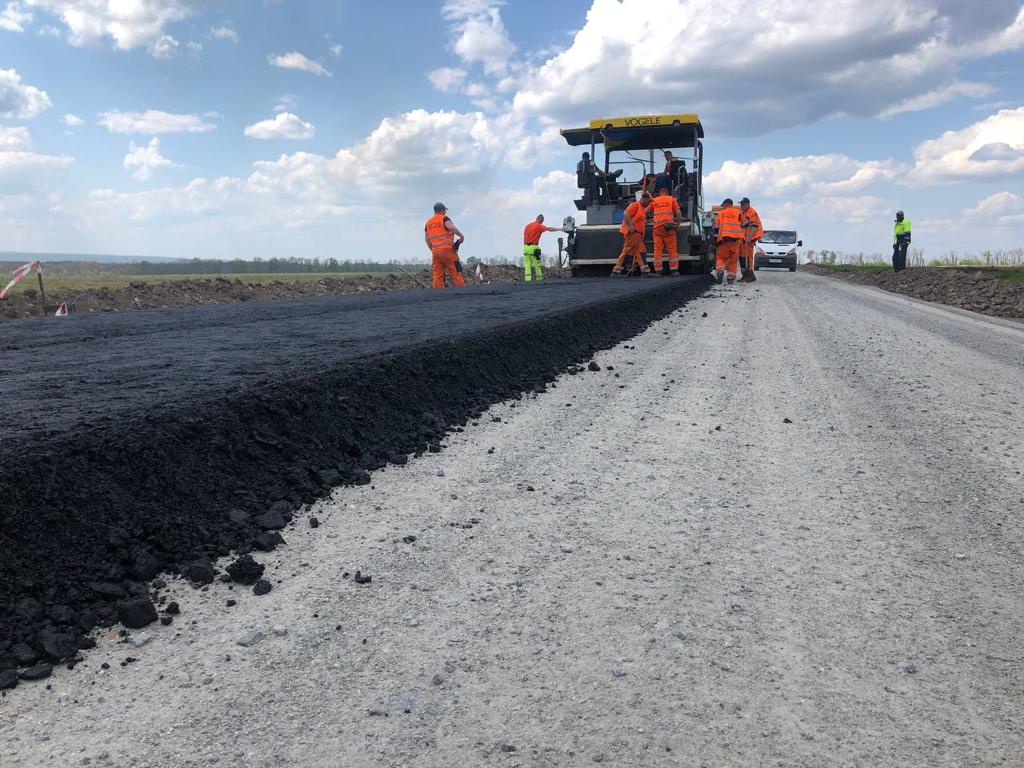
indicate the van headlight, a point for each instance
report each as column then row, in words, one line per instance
column 758, row 251
column 791, row 252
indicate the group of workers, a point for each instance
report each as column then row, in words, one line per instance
column 443, row 239
column 738, row 229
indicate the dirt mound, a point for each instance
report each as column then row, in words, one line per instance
column 974, row 289
column 223, row 290
column 160, row 475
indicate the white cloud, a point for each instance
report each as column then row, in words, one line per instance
column 447, row 79
column 224, row 32
column 1004, row 209
column 153, row 121
column 791, row 62
column 418, row 153
column 989, row 149
column 14, row 17
column 286, row 103
column 284, row 125
column 73, row 121
column 551, row 194
column 130, row 23
column 802, row 175
column 480, row 33
column 163, row 47
column 295, row 60
column 20, row 100
column 142, row 162
column 21, row 171
column 14, row 137
column 939, row 96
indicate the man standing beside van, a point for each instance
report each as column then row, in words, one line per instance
column 750, row 220
column 730, row 237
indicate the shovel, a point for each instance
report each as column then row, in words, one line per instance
column 747, row 272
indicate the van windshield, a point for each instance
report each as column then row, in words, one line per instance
column 779, row 237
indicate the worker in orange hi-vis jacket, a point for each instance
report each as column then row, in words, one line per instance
column 439, row 234
column 634, row 221
column 750, row 220
column 730, row 241
column 667, row 216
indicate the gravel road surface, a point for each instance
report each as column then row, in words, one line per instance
column 785, row 534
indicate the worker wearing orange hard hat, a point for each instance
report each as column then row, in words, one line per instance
column 729, row 242
column 531, row 247
column 750, row 220
column 439, row 234
column 634, row 221
column 667, row 217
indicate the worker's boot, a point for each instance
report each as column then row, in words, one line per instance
column 616, row 272
column 675, row 273
column 719, row 276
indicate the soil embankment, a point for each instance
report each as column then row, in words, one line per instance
column 968, row 288
column 165, row 294
column 159, row 441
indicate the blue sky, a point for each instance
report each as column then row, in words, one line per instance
column 301, row 128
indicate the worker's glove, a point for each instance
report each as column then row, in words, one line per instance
column 458, row 266
column 455, row 247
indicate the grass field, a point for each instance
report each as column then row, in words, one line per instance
column 63, row 284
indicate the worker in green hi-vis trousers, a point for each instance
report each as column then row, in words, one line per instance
column 531, row 247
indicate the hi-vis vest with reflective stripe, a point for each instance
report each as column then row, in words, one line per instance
column 901, row 228
column 439, row 236
column 664, row 206
column 729, row 224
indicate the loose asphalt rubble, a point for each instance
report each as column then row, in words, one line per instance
column 150, row 444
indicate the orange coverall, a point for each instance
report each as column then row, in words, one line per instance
column 442, row 251
column 750, row 220
column 633, row 242
column 730, row 241
column 665, row 208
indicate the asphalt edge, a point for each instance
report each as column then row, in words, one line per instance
column 88, row 521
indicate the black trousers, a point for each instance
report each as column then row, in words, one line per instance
column 899, row 255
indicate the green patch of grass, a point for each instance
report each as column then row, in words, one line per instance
column 70, row 284
column 1010, row 274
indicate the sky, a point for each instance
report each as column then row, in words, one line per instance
column 328, row 128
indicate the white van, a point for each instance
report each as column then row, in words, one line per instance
column 777, row 249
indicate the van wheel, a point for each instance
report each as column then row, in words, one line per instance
column 792, row 268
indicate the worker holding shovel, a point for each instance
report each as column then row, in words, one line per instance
column 634, row 222
column 750, row 220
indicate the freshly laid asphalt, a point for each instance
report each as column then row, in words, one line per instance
column 58, row 374
column 158, row 441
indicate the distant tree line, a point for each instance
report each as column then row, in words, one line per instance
column 258, row 266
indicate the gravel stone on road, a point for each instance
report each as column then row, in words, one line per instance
column 671, row 594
